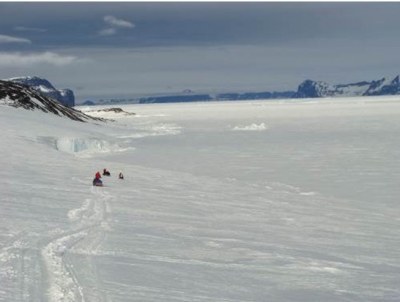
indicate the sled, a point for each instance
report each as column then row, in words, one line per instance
column 97, row 183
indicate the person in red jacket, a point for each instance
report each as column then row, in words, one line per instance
column 97, row 180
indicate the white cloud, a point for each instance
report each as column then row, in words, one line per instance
column 23, row 28
column 113, row 21
column 10, row 39
column 114, row 24
column 17, row 59
column 107, row 32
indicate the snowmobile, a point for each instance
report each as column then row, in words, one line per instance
column 97, row 182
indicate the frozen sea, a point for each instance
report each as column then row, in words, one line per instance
column 222, row 201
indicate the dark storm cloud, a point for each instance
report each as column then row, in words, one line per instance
column 202, row 23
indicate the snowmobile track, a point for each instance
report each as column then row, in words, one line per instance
column 66, row 281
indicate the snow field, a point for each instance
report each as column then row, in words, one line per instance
column 305, row 211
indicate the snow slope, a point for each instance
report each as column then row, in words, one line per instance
column 243, row 201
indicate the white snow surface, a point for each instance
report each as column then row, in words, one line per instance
column 305, row 211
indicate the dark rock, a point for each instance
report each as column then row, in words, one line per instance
column 20, row 96
column 44, row 87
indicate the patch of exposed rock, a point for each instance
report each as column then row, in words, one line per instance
column 20, row 96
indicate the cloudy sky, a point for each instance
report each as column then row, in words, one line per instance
column 110, row 50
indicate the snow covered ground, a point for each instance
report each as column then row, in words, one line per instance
column 229, row 201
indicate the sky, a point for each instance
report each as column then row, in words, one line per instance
column 112, row 50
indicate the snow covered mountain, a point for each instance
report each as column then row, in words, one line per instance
column 21, row 96
column 318, row 89
column 44, row 87
column 384, row 87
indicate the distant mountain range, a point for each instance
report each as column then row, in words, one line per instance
column 192, row 97
column 307, row 89
column 64, row 96
column 319, row 89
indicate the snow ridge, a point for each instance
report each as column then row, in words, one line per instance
column 86, row 147
column 252, row 127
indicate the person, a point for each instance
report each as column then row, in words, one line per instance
column 105, row 172
column 121, row 176
column 97, row 176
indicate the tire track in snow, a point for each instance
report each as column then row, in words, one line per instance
column 19, row 271
column 65, row 282
column 12, row 266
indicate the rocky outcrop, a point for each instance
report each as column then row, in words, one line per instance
column 20, row 96
column 44, row 87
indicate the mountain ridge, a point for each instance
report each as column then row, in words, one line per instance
column 307, row 89
column 321, row 89
column 65, row 96
column 21, row 96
